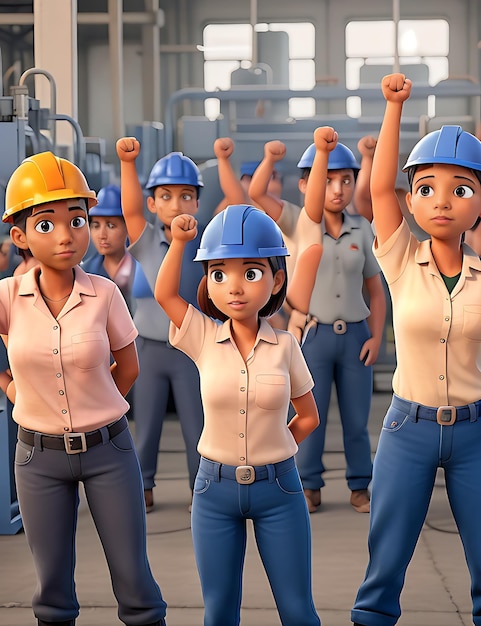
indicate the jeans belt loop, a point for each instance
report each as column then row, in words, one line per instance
column 413, row 412
column 104, row 431
column 216, row 471
column 473, row 412
column 339, row 327
column 271, row 472
column 37, row 441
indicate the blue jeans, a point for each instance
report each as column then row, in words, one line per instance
column 47, row 487
column 409, row 452
column 333, row 358
column 277, row 507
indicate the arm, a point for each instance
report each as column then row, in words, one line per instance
column 325, row 140
column 274, row 151
column 300, row 288
column 377, row 306
column 128, row 149
column 229, row 183
column 385, row 206
column 126, row 367
column 184, row 229
column 362, row 191
column 306, row 418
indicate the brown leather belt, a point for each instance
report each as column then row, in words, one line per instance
column 72, row 443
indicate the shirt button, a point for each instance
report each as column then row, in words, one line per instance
column 243, row 371
column 441, row 377
column 242, row 411
column 61, row 392
column 55, row 327
column 446, row 319
column 241, row 435
column 242, row 458
column 55, row 351
column 442, row 340
column 66, row 429
column 242, row 388
column 58, row 375
column 64, row 411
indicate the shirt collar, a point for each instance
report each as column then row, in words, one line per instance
column 471, row 260
column 349, row 223
column 82, row 285
column 266, row 332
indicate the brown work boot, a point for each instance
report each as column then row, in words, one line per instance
column 149, row 500
column 360, row 500
column 313, row 499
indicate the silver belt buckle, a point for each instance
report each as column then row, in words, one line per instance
column 446, row 415
column 245, row 474
column 69, row 439
column 339, row 327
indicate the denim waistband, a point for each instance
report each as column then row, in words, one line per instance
column 261, row 472
column 420, row 411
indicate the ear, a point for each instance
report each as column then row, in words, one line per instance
column 302, row 185
column 18, row 237
column 279, row 279
column 409, row 202
column 151, row 204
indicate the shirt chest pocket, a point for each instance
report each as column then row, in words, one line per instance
column 472, row 322
column 272, row 392
column 88, row 349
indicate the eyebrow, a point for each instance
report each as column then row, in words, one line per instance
column 70, row 208
column 471, row 180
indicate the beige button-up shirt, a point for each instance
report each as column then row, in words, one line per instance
column 245, row 403
column 61, row 366
column 438, row 334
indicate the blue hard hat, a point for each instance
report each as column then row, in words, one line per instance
column 109, row 204
column 248, row 168
column 241, row 232
column 174, row 169
column 341, row 158
column 449, row 144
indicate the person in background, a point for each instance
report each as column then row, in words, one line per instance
column 63, row 326
column 335, row 265
column 434, row 420
column 174, row 185
column 247, row 469
column 109, row 237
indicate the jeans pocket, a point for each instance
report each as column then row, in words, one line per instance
column 23, row 453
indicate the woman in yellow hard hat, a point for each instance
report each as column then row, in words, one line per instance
column 62, row 326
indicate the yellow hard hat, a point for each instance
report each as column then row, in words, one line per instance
column 44, row 178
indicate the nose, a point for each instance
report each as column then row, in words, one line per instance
column 336, row 186
column 441, row 200
column 64, row 234
column 235, row 286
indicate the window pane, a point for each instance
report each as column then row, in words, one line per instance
column 370, row 39
column 227, row 41
column 302, row 74
column 301, row 39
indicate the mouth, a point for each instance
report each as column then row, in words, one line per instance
column 236, row 304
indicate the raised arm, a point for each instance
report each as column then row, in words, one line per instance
column 325, row 140
column 362, row 191
column 128, row 149
column 229, row 182
column 274, row 151
column 387, row 214
column 184, row 229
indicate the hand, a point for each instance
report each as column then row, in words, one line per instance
column 396, row 87
column 369, row 351
column 366, row 146
column 325, row 138
column 184, row 227
column 128, row 149
column 274, row 150
column 223, row 147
